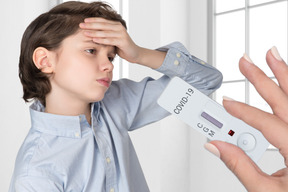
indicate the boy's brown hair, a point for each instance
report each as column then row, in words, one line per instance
column 48, row 31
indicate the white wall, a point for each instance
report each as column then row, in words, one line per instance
column 15, row 120
column 168, row 141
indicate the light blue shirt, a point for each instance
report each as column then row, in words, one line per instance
column 65, row 153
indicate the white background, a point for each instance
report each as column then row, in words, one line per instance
column 171, row 154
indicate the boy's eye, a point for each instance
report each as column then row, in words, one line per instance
column 111, row 59
column 91, row 51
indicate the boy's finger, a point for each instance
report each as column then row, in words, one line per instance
column 99, row 26
column 100, row 20
column 238, row 162
column 101, row 34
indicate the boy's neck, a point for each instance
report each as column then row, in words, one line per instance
column 68, row 108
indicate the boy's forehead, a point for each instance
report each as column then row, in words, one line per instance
column 79, row 36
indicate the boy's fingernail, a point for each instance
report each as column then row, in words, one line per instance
column 88, row 33
column 89, row 19
column 228, row 98
column 275, row 53
column 212, row 149
column 247, row 58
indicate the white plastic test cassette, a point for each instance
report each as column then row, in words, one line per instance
column 210, row 118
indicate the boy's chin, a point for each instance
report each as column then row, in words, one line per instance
column 96, row 99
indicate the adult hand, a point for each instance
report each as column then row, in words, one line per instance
column 273, row 126
column 113, row 33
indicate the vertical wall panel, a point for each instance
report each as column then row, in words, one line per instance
column 174, row 134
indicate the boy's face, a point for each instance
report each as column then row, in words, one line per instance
column 83, row 69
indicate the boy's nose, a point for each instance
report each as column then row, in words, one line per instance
column 106, row 65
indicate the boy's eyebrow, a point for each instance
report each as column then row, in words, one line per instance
column 97, row 45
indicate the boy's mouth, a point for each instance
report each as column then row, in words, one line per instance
column 104, row 81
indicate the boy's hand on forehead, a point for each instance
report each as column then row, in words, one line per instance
column 107, row 32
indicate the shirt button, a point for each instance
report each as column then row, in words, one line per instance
column 178, row 55
column 77, row 134
column 112, row 190
column 202, row 62
column 108, row 160
column 176, row 62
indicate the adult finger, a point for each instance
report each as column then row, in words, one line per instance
column 278, row 67
column 272, row 127
column 239, row 163
column 267, row 88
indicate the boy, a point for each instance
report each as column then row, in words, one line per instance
column 80, row 119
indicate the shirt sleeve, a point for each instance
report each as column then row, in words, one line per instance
column 135, row 103
column 179, row 62
column 31, row 184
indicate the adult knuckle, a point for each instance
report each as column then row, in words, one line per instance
column 232, row 164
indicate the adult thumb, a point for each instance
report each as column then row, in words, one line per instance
column 238, row 162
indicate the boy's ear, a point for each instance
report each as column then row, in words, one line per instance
column 42, row 60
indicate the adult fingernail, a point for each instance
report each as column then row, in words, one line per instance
column 247, row 58
column 275, row 53
column 227, row 98
column 212, row 149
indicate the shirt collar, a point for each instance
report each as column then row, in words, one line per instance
column 60, row 125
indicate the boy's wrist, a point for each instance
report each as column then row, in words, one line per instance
column 150, row 58
column 140, row 56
